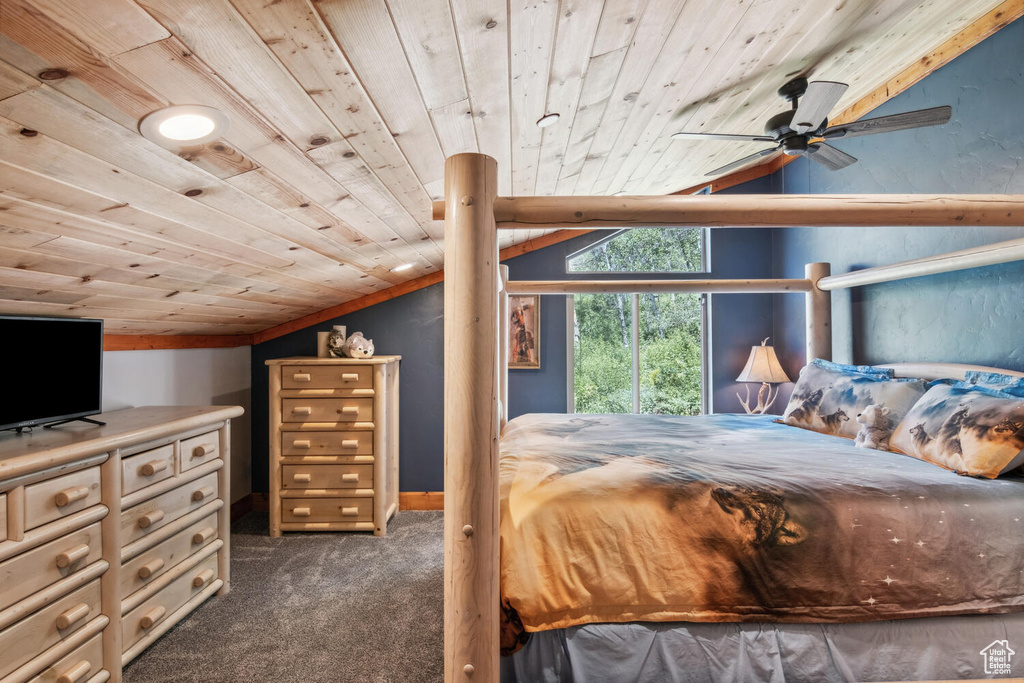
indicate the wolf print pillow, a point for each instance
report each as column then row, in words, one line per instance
column 962, row 428
column 1007, row 384
column 828, row 400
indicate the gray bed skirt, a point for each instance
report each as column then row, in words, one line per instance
column 905, row 650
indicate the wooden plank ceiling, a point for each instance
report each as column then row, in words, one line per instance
column 342, row 112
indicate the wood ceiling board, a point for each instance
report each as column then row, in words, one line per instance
column 427, row 34
column 454, row 125
column 34, row 43
column 127, row 227
column 532, row 31
column 575, row 34
column 653, row 29
column 598, row 82
column 218, row 158
column 482, row 30
column 215, row 32
column 13, row 81
column 370, row 42
column 51, row 113
column 108, row 26
column 300, row 40
column 182, row 77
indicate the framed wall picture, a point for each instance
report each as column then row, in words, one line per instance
column 524, row 331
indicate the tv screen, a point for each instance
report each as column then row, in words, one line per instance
column 52, row 369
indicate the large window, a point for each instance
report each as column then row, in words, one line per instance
column 640, row 352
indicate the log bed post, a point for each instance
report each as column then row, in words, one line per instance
column 819, row 313
column 503, row 342
column 471, row 426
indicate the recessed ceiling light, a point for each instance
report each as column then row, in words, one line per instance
column 547, row 120
column 187, row 124
column 404, row 266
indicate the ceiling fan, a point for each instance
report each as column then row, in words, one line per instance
column 804, row 129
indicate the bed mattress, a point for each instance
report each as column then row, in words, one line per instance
column 728, row 518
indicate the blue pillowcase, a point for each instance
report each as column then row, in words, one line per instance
column 869, row 370
column 1004, row 384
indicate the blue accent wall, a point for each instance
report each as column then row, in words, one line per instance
column 974, row 316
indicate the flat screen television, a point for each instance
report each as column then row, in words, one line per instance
column 52, row 370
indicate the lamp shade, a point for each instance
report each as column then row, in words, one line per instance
column 763, row 366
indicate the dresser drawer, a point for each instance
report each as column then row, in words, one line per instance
column 199, row 449
column 303, row 510
column 141, row 570
column 24, row 640
column 149, row 467
column 148, row 516
column 54, row 498
column 327, row 410
column 327, row 443
column 327, row 377
column 31, row 571
column 141, row 620
column 327, row 477
column 79, row 666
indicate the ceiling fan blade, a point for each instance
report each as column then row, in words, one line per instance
column 815, row 105
column 721, row 136
column 828, row 156
column 742, row 162
column 920, row 118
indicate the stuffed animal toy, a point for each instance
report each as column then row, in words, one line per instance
column 874, row 430
column 357, row 346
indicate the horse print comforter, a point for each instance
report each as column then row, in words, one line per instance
column 613, row 518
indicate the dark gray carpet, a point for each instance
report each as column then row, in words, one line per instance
column 315, row 607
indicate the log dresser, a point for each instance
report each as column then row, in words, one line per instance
column 333, row 444
column 109, row 536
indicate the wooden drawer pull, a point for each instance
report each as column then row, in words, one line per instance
column 152, row 518
column 349, row 377
column 151, row 468
column 302, row 477
column 71, row 495
column 349, row 410
column 76, row 673
column 203, row 450
column 350, row 443
column 349, row 512
column 152, row 567
column 302, row 410
column 202, row 578
column 73, row 616
column 203, row 535
column 302, row 377
column 69, row 557
column 202, row 494
column 301, row 512
column 152, row 616
column 302, row 443
column 350, row 478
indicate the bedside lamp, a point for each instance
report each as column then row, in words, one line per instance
column 762, row 366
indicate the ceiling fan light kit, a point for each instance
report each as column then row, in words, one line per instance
column 804, row 128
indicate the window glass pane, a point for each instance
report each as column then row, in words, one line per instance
column 602, row 339
column 670, row 353
column 645, row 250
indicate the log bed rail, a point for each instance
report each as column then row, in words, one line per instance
column 476, row 322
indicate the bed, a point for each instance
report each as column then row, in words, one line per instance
column 609, row 520
column 476, row 396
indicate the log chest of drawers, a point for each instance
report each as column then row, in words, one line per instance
column 333, row 444
column 109, row 536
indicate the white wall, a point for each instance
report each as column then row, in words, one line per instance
column 186, row 377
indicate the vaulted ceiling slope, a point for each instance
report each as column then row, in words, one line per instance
column 342, row 112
